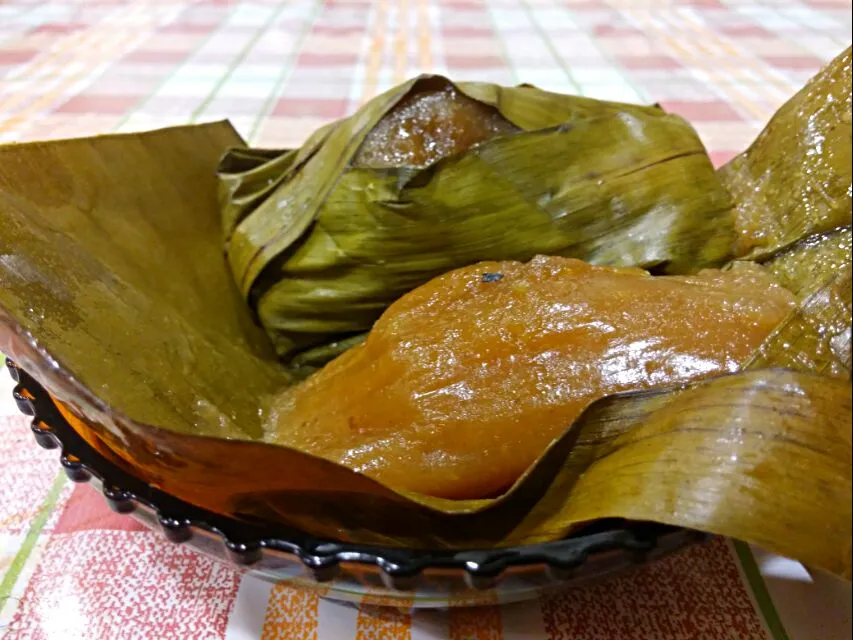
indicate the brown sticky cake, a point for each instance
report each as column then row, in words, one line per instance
column 466, row 380
column 428, row 125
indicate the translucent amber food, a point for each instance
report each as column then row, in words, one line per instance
column 427, row 126
column 466, row 380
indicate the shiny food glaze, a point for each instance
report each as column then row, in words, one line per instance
column 466, row 380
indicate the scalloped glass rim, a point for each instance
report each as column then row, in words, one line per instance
column 422, row 578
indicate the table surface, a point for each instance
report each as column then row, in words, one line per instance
column 69, row 568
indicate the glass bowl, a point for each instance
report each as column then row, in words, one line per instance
column 348, row 572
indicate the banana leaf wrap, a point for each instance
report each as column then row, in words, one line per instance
column 794, row 180
column 320, row 246
column 818, row 270
column 114, row 295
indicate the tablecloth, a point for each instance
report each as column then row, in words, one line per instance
column 70, row 568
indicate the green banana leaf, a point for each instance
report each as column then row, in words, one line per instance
column 795, row 178
column 320, row 247
column 115, row 296
column 801, row 267
column 817, row 338
column 763, row 456
column 93, row 235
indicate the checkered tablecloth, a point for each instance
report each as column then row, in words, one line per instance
column 70, row 568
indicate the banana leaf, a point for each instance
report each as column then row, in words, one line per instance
column 320, row 245
column 115, row 296
column 83, row 263
column 795, row 179
column 817, row 338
